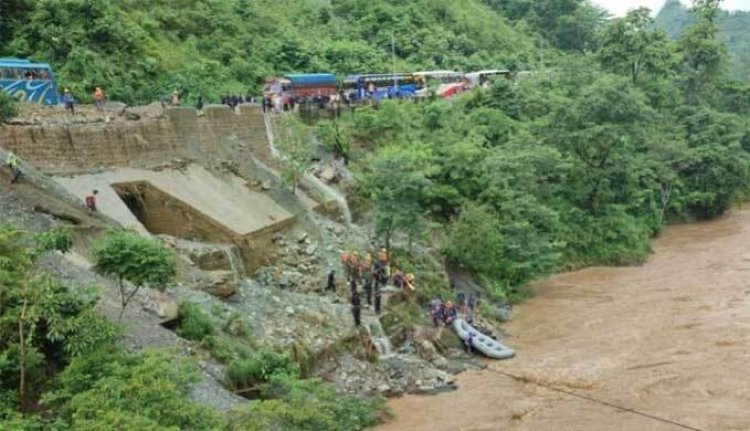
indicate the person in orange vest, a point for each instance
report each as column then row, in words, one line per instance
column 99, row 98
column 354, row 265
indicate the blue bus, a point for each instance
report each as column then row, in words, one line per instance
column 379, row 86
column 27, row 81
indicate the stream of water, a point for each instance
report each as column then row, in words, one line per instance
column 670, row 339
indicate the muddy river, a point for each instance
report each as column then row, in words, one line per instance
column 670, row 339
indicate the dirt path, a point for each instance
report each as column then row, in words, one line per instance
column 670, row 338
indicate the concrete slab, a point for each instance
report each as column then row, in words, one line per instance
column 227, row 201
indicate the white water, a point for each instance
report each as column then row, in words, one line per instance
column 235, row 262
column 380, row 339
column 330, row 192
column 271, row 136
column 312, row 181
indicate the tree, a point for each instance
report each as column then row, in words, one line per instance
column 293, row 141
column 133, row 258
column 704, row 56
column 396, row 185
column 630, row 46
column 42, row 324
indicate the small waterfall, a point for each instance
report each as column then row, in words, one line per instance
column 328, row 191
column 270, row 133
column 312, row 181
column 235, row 263
column 380, row 339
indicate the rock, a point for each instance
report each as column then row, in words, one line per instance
column 219, row 283
column 265, row 185
column 289, row 310
column 328, row 174
column 302, row 237
column 163, row 306
column 311, row 249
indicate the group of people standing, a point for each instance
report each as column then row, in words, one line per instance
column 371, row 273
column 446, row 312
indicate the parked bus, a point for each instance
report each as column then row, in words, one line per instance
column 445, row 82
column 306, row 87
column 27, row 81
column 379, row 86
column 482, row 78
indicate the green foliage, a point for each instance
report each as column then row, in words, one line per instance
column 108, row 388
column 260, row 368
column 130, row 257
column 305, row 405
column 59, row 239
column 8, row 106
column 194, row 324
column 335, row 138
column 139, row 50
column 675, row 18
column 396, row 181
column 42, row 324
column 293, row 140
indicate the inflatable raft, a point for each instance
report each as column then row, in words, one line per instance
column 489, row 347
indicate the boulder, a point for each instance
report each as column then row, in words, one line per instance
column 219, row 283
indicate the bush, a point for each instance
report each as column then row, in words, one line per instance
column 260, row 368
column 306, row 405
column 8, row 106
column 113, row 390
column 195, row 324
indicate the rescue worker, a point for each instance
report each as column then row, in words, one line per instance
column 353, row 286
column 175, row 99
column 377, row 299
column 99, row 98
column 14, row 165
column 331, row 284
column 449, row 313
column 68, row 102
column 354, row 265
column 368, row 290
column 356, row 307
column 199, row 104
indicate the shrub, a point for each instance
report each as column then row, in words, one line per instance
column 260, row 368
column 195, row 324
column 8, row 106
column 306, row 405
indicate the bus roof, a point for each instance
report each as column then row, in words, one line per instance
column 311, row 78
column 21, row 63
column 438, row 73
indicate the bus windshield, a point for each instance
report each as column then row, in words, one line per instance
column 27, row 81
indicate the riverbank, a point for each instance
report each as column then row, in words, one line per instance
column 668, row 338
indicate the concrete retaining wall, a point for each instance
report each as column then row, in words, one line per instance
column 180, row 133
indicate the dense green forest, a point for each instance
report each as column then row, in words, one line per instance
column 140, row 49
column 617, row 132
column 734, row 28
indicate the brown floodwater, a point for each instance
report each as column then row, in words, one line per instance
column 670, row 339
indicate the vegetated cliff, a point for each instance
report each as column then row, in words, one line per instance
column 138, row 50
column 734, row 28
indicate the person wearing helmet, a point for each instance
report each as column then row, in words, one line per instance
column 68, row 102
column 449, row 313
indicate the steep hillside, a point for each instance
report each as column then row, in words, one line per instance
column 734, row 28
column 140, row 49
